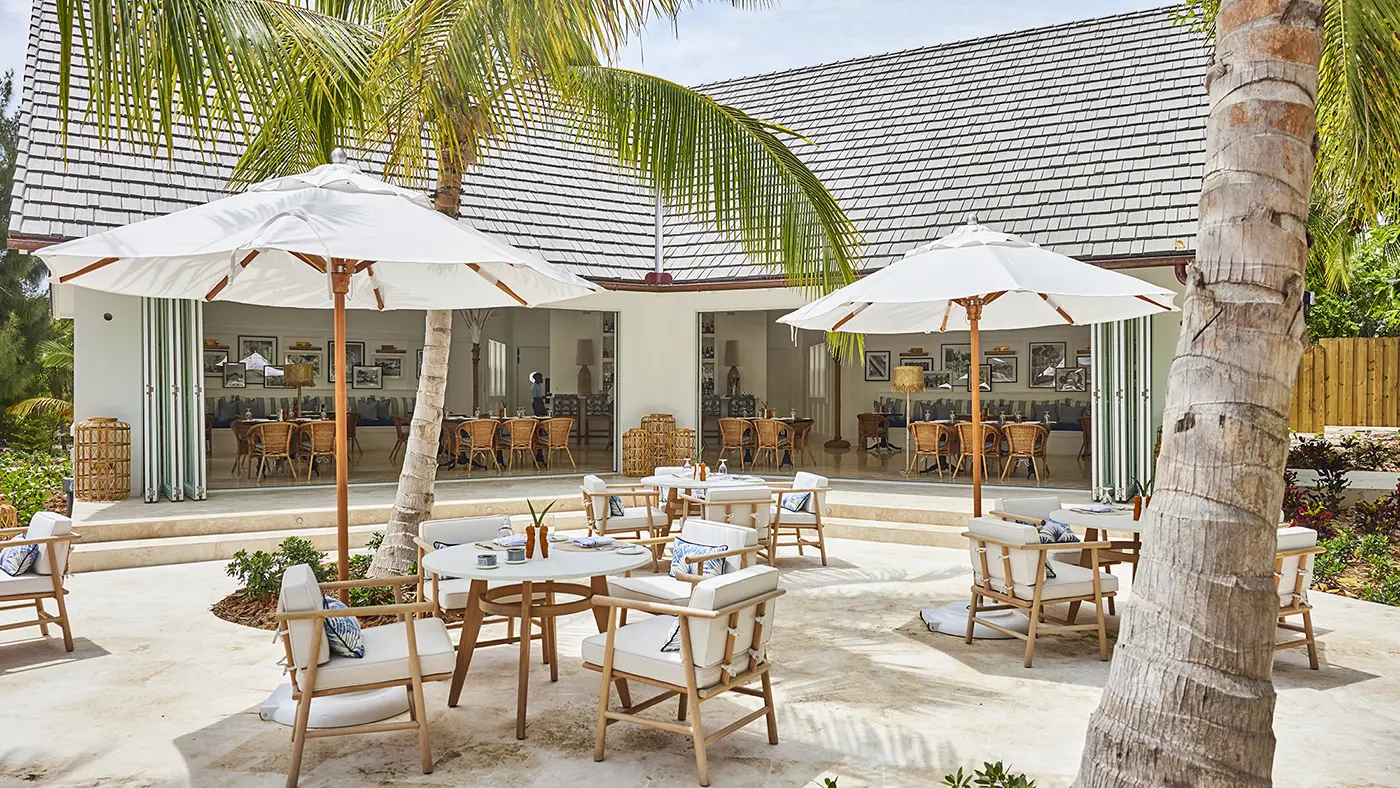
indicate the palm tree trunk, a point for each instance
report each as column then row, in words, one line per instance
column 1189, row 699
column 413, row 503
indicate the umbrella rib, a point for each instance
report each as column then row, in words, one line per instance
column 1154, row 303
column 947, row 310
column 103, row 263
column 1062, row 312
column 365, row 265
column 378, row 296
column 843, row 321
column 311, row 260
column 224, row 282
column 498, row 283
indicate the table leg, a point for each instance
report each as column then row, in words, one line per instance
column 600, row 617
column 550, row 634
column 471, row 627
column 527, row 594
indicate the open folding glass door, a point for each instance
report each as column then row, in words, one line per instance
column 173, row 378
column 1122, row 432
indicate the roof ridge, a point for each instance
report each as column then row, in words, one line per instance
column 965, row 42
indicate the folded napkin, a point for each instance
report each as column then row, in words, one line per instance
column 510, row 541
column 592, row 541
column 1097, row 507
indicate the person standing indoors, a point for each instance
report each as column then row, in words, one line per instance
column 537, row 394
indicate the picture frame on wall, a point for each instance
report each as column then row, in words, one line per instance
column 214, row 361
column 235, row 375
column 957, row 359
column 366, row 376
column 274, row 378
column 315, row 358
column 984, row 375
column 1046, row 359
column 1005, row 369
column 1074, row 379
column 418, row 370
column 938, row 380
column 877, row 365
column 392, row 366
column 263, row 346
column 923, row 362
column 354, row 357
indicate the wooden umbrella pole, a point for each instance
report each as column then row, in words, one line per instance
column 974, row 376
column 340, row 285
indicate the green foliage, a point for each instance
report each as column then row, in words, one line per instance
column 538, row 517
column 34, row 432
column 261, row 573
column 1371, row 452
column 1369, row 304
column 991, row 775
column 1385, row 583
column 29, row 479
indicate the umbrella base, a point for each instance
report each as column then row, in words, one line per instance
column 337, row 711
column 951, row 619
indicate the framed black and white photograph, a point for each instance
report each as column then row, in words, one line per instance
column 957, row 359
column 984, row 375
column 1072, row 379
column 263, row 346
column 354, row 357
column 935, row 380
column 877, row 365
column 1046, row 359
column 1084, row 361
column 366, row 376
column 235, row 375
column 418, row 370
column 214, row 361
column 274, row 378
column 923, row 362
column 1005, row 369
column 392, row 366
column 315, row 358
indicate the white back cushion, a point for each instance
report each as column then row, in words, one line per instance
column 746, row 506
column 803, row 480
column 301, row 593
column 1023, row 562
column 1294, row 538
column 705, row 532
column 1038, row 507
column 707, row 636
column 463, row 530
column 43, row 525
column 595, row 484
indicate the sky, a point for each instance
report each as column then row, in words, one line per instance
column 716, row 41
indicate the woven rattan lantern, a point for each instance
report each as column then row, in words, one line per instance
column 682, row 446
column 659, row 427
column 635, row 452
column 909, row 380
column 101, row 460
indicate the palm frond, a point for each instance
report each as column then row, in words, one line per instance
column 42, row 406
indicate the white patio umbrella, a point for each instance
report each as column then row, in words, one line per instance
column 977, row 278
column 329, row 238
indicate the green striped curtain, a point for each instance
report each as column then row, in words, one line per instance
column 1122, row 432
column 172, row 370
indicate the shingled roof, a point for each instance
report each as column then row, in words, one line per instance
column 1085, row 137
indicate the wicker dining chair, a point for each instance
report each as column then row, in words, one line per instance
column 1026, row 442
column 315, row 441
column 518, row 435
column 555, row 438
column 872, row 426
column 272, row 441
column 352, row 424
column 991, row 446
column 401, row 427
column 732, row 437
column 476, row 437
column 1086, row 425
column 802, row 439
column 772, row 436
column 242, row 459
column 931, row 439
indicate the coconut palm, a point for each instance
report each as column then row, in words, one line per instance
column 56, row 359
column 434, row 85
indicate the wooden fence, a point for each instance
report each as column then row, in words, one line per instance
column 1348, row 382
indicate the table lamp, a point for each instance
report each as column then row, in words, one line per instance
column 298, row 376
column 731, row 360
column 909, row 380
column 584, row 359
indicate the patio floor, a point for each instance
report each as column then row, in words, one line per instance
column 159, row 692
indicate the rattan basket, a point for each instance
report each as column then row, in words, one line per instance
column 659, row 428
column 635, row 453
column 682, row 446
column 101, row 460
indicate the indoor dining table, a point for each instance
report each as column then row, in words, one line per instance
column 530, row 590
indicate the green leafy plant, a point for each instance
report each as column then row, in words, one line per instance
column 538, row 517
column 1368, row 452
column 29, row 479
column 991, row 775
column 261, row 572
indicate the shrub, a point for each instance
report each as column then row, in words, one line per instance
column 261, row 573
column 1372, row 548
column 36, row 432
column 1368, row 452
column 1316, row 454
column 1340, row 550
column 1313, row 514
column 1380, row 517
column 1385, row 579
column 30, row 479
column 991, row 775
column 1293, row 495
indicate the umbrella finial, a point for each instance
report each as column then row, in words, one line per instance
column 338, row 156
column 971, row 218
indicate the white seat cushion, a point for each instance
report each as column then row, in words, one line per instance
column 637, row 650
column 1070, row 580
column 453, row 594
column 28, row 583
column 650, row 588
column 43, row 525
column 791, row 518
column 633, row 518
column 386, row 656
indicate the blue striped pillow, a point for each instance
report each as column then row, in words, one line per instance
column 796, row 502
column 15, row 561
column 343, row 632
column 681, row 550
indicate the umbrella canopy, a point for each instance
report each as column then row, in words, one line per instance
column 977, row 278
column 1022, row 285
column 332, row 238
column 269, row 245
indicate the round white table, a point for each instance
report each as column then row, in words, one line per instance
column 1120, row 520
column 1097, row 526
column 517, row 597
column 714, row 480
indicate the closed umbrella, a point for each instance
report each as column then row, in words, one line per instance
column 977, row 278
column 332, row 238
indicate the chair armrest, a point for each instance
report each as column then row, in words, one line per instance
column 1102, row 544
column 43, row 540
column 653, row 607
column 399, row 609
column 690, row 578
column 652, row 541
column 423, row 547
column 371, row 582
column 1016, row 518
column 12, row 531
column 703, row 557
column 1300, row 552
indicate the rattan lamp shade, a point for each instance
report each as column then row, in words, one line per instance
column 298, row 376
column 908, row 380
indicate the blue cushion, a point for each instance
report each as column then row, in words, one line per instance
column 343, row 632
column 673, row 643
column 682, row 550
column 17, row 560
column 1056, row 532
column 615, row 507
column 796, row 502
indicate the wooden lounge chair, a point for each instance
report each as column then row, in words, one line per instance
column 53, row 534
column 785, row 523
column 640, row 515
column 723, row 632
column 1293, row 568
column 741, row 549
